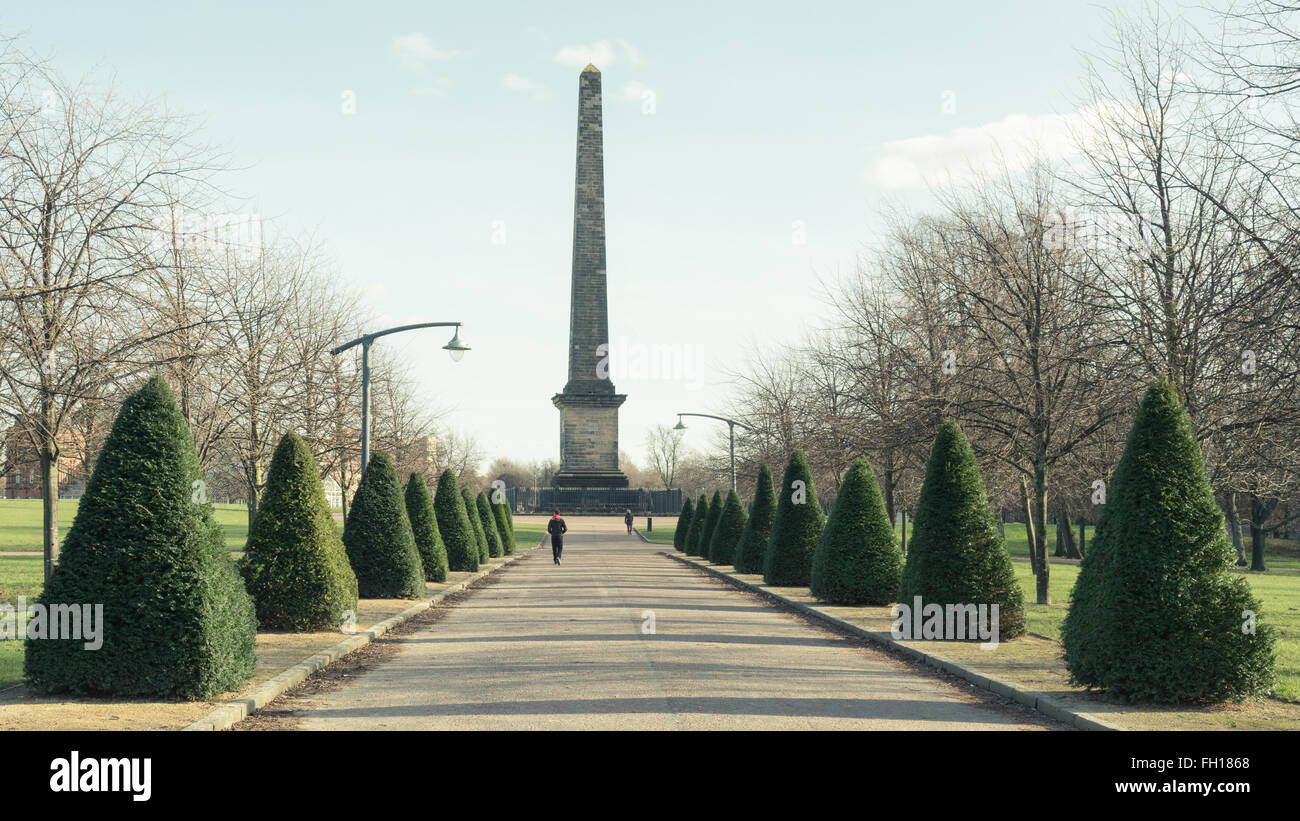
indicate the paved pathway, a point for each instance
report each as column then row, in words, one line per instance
column 564, row 648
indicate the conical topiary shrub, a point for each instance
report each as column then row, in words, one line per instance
column 796, row 527
column 294, row 564
column 697, row 525
column 1156, row 612
column 475, row 524
column 424, row 528
column 711, row 524
column 726, row 534
column 857, row 560
column 454, row 524
column 956, row 555
column 489, row 524
column 176, row 619
column 501, row 515
column 378, row 536
column 749, row 553
column 683, row 525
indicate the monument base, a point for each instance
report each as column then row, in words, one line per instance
column 589, row 440
column 570, row 478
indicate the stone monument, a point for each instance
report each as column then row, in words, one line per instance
column 588, row 404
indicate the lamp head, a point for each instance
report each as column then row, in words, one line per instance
column 455, row 347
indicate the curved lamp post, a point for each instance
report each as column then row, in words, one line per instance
column 454, row 347
column 731, row 433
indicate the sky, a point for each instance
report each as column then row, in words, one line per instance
column 428, row 149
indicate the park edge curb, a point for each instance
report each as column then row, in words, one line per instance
column 1041, row 702
column 236, row 710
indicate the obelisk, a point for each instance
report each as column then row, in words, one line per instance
column 588, row 404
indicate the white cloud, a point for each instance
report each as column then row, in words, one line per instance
column 632, row 90
column 523, row 85
column 600, row 54
column 962, row 154
column 629, row 51
column 416, row 51
column 439, row 88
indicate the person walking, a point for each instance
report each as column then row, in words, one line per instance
column 557, row 528
column 627, row 520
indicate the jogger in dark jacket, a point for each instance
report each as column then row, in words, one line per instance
column 557, row 528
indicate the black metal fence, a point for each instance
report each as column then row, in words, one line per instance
column 595, row 501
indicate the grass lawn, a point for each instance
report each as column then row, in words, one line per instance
column 528, row 534
column 1278, row 553
column 20, row 523
column 19, row 576
column 662, row 534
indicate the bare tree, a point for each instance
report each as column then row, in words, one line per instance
column 664, row 447
column 1188, row 285
column 1040, row 381
column 84, row 178
column 460, row 452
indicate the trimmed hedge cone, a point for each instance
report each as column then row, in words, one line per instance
column 683, row 526
column 1156, row 612
column 956, row 555
column 294, row 565
column 501, row 515
column 796, row 527
column 857, row 560
column 758, row 527
column 378, row 536
column 424, row 527
column 711, row 525
column 475, row 524
column 489, row 523
column 176, row 619
column 726, row 535
column 454, row 525
column 701, row 513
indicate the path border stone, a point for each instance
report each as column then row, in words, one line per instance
column 1041, row 702
column 236, row 710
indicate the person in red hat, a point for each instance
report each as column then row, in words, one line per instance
column 557, row 528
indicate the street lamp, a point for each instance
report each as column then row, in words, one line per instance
column 731, row 433
column 455, row 348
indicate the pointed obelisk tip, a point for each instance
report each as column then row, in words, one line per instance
column 590, row 67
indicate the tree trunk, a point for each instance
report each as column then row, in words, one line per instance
column 1234, row 529
column 1259, row 511
column 253, row 473
column 903, row 542
column 1061, row 536
column 1083, row 539
column 1040, row 532
column 49, row 462
column 889, row 496
column 1029, row 525
column 1066, row 528
column 1002, row 524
